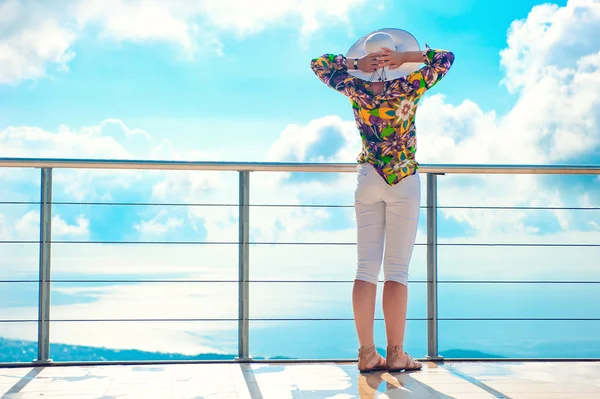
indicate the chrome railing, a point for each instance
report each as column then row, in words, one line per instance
column 244, row 170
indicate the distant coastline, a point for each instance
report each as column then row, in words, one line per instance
column 25, row 351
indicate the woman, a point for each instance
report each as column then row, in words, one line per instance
column 388, row 194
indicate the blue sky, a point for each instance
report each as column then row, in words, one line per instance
column 156, row 87
column 216, row 81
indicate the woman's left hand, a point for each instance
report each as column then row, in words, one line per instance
column 391, row 58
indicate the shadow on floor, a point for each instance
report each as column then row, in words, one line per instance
column 22, row 383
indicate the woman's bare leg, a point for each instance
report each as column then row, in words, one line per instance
column 394, row 311
column 363, row 301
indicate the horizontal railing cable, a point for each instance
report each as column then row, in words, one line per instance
column 170, row 281
column 448, row 244
column 178, row 204
column 180, row 320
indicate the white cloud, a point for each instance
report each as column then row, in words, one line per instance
column 555, row 62
column 327, row 139
column 185, row 23
column 81, row 228
column 27, row 227
column 551, row 37
column 251, row 17
column 5, row 230
column 35, row 34
column 111, row 139
column 138, row 21
column 30, row 40
column 159, row 224
column 553, row 57
column 187, row 186
column 555, row 119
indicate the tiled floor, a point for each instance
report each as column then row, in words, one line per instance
column 279, row 381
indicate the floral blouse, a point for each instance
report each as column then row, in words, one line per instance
column 386, row 121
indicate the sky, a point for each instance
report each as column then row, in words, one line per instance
column 229, row 81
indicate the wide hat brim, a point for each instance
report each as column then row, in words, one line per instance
column 403, row 41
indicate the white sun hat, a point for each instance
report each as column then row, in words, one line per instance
column 395, row 39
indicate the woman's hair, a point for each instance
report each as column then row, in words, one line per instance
column 377, row 41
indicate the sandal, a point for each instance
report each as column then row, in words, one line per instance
column 365, row 356
column 394, row 360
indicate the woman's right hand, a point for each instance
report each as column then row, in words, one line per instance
column 369, row 62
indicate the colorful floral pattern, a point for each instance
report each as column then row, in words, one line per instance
column 386, row 121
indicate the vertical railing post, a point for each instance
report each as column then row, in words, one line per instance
column 44, row 273
column 432, row 296
column 244, row 268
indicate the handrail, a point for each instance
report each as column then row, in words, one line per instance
column 285, row 166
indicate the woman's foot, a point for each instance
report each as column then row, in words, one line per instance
column 370, row 360
column 398, row 360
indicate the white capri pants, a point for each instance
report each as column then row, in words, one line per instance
column 386, row 216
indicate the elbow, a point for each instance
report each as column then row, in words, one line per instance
column 321, row 66
column 315, row 64
column 447, row 54
column 450, row 58
column 445, row 57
